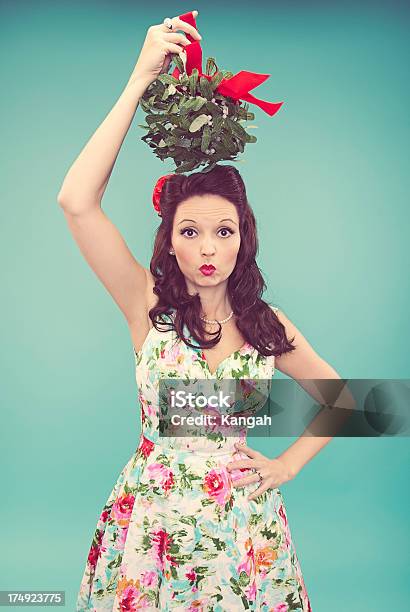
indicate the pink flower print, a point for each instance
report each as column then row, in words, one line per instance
column 169, row 482
column 224, row 430
column 145, row 503
column 284, row 519
column 104, row 516
column 216, row 485
column 236, row 474
column 122, row 536
column 146, row 447
column 96, row 550
column 191, row 575
column 162, row 543
column 247, row 387
column 93, row 555
column 149, row 578
column 129, row 595
column 173, row 355
column 283, row 516
column 248, row 565
column 162, row 475
column 122, row 509
column 250, row 591
column 146, row 407
column 282, row 607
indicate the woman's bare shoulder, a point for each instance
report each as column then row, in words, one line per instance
column 304, row 362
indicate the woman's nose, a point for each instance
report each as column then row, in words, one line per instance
column 208, row 249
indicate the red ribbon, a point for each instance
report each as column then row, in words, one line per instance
column 236, row 87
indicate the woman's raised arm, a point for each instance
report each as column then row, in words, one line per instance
column 82, row 190
column 85, row 182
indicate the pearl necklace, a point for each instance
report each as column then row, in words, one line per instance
column 213, row 321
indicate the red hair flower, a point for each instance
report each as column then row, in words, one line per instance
column 156, row 195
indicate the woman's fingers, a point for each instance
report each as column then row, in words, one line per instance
column 241, row 464
column 242, row 482
column 176, row 38
column 247, row 450
column 264, row 487
column 171, row 48
column 178, row 24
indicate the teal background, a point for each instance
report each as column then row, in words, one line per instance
column 328, row 180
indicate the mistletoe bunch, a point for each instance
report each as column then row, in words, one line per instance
column 189, row 121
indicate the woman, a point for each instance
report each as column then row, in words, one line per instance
column 201, row 527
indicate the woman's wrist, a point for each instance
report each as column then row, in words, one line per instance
column 288, row 464
column 138, row 83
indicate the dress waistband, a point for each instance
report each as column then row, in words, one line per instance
column 191, row 445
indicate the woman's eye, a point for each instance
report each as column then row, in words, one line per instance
column 187, row 229
column 223, row 229
column 226, row 229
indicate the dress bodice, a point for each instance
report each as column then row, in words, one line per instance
column 165, row 356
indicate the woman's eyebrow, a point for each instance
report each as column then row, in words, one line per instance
column 193, row 221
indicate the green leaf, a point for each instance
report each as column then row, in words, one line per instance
column 144, row 105
column 171, row 141
column 193, row 104
column 167, row 79
column 205, row 88
column 218, row 122
column 184, row 142
column 193, row 81
column 206, row 138
column 186, row 166
column 199, row 101
column 228, row 143
column 243, row 579
column 178, row 62
column 236, row 128
column 235, row 587
column 216, row 80
column 184, row 121
column 151, row 118
column 210, row 64
column 174, row 572
column 169, row 91
column 198, row 122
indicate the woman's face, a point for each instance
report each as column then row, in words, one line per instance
column 206, row 231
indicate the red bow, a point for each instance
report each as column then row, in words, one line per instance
column 236, row 87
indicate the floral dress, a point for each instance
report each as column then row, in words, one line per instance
column 175, row 534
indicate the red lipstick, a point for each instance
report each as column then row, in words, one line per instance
column 207, row 270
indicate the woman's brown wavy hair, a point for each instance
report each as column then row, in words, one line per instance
column 256, row 320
